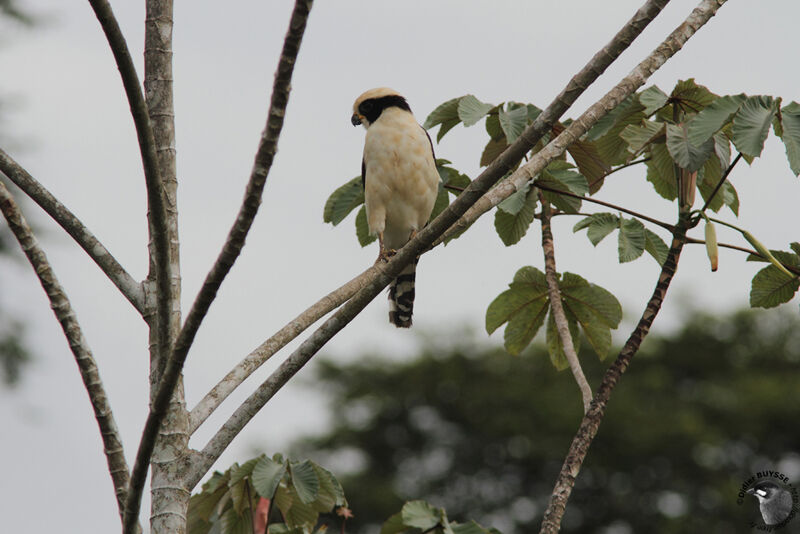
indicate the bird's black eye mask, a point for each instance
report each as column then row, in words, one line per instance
column 373, row 107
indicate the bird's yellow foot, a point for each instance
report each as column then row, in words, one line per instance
column 385, row 254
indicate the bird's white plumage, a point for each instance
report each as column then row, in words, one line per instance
column 401, row 183
column 401, row 180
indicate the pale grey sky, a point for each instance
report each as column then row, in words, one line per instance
column 70, row 128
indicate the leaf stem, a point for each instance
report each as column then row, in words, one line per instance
column 721, row 181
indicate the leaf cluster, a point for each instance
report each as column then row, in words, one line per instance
column 299, row 490
column 419, row 517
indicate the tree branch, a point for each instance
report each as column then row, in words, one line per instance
column 627, row 86
column 556, row 307
column 636, row 214
column 255, row 359
column 130, row 288
column 157, row 213
column 112, row 442
column 494, row 172
column 591, row 420
column 236, row 236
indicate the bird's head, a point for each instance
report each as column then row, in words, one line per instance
column 369, row 106
column 763, row 491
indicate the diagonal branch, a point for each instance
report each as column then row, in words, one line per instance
column 557, row 308
column 267, row 349
column 112, row 442
column 234, row 243
column 147, row 147
column 592, row 419
column 130, row 288
column 491, row 175
column 721, row 181
column 626, row 87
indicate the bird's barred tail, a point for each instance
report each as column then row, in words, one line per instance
column 401, row 297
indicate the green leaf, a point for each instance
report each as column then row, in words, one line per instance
column 554, row 345
column 443, row 113
column 656, row 247
column 612, row 147
column 626, row 108
column 661, row 172
column 238, row 472
column 421, row 515
column 589, row 163
column 690, row 97
column 685, row 154
column 790, row 122
column 304, row 480
column 468, row 528
column 771, row 287
column 394, row 525
column 513, row 122
column 512, row 226
column 563, row 179
column 330, row 494
column 233, row 523
column 523, row 306
column 652, row 99
column 722, row 148
column 442, row 201
column 203, row 504
column 632, row 240
column 599, row 226
column 595, row 309
column 751, row 124
column 302, row 515
column 713, row 117
column 266, row 476
column 452, row 177
column 362, row 228
column 344, row 200
column 638, row 136
column 471, row 110
column 492, row 149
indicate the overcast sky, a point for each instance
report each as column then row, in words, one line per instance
column 66, row 120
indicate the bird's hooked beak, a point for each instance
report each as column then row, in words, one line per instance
column 356, row 119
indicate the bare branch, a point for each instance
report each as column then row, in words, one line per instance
column 556, row 307
column 255, row 359
column 112, row 442
column 502, row 164
column 721, row 181
column 130, row 288
column 627, row 86
column 147, row 147
column 234, row 243
column 636, row 214
column 592, row 419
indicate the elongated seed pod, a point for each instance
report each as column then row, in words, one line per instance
column 712, row 249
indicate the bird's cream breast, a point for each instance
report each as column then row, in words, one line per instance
column 401, row 177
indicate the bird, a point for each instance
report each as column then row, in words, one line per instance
column 400, row 181
column 774, row 501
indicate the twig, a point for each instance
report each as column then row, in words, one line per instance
column 130, row 288
column 557, row 308
column 236, row 236
column 617, row 169
column 514, row 153
column 591, row 420
column 721, row 181
column 112, row 442
column 613, row 98
column 636, row 214
column 255, row 359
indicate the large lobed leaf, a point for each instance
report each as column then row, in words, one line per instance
column 751, row 124
column 790, row 134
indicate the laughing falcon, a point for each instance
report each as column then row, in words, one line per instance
column 398, row 172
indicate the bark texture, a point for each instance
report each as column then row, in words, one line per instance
column 112, row 443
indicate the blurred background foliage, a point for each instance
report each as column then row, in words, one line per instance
column 483, row 433
column 13, row 354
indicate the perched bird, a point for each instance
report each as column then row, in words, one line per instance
column 774, row 501
column 398, row 172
